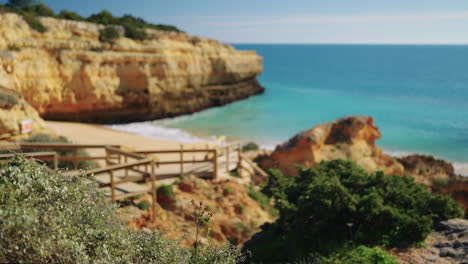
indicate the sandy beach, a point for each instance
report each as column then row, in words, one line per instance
column 97, row 134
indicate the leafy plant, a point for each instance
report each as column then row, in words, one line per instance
column 108, row 34
column 47, row 218
column 165, row 190
column 33, row 22
column 144, row 205
column 327, row 207
column 250, row 146
column 45, row 138
column 227, row 191
column 39, row 9
column 70, row 15
column 444, row 182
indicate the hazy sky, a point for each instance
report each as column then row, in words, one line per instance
column 298, row 21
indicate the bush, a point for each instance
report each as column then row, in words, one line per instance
column 108, row 34
column 144, row 205
column 249, row 147
column 47, row 218
column 33, row 22
column 39, row 10
column 45, row 138
column 14, row 47
column 135, row 33
column 20, row 3
column 443, row 182
column 70, row 15
column 327, row 207
column 165, row 190
column 104, row 17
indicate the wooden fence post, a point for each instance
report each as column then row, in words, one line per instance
column 111, row 173
column 181, row 160
column 75, row 161
column 153, row 190
column 126, row 169
column 215, row 164
column 227, row 158
column 239, row 161
column 55, row 161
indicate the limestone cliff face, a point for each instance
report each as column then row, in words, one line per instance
column 68, row 74
column 14, row 110
column 349, row 138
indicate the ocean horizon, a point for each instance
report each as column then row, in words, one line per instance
column 416, row 94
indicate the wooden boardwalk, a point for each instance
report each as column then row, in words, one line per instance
column 125, row 173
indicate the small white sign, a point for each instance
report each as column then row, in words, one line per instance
column 26, row 126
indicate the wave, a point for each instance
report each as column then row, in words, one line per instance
column 150, row 129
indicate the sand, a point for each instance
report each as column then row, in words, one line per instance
column 81, row 133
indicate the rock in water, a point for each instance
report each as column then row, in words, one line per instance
column 349, row 138
column 66, row 73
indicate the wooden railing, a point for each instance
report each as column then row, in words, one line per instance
column 257, row 174
column 113, row 182
column 75, row 157
column 211, row 156
column 42, row 156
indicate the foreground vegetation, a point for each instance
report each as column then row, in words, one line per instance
column 337, row 211
column 134, row 27
column 46, row 218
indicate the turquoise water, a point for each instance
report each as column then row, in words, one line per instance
column 418, row 96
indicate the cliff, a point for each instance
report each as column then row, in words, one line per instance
column 66, row 73
column 349, row 138
column 14, row 110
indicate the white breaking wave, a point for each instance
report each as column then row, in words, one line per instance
column 152, row 130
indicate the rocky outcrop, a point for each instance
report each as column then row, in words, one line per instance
column 350, row 138
column 14, row 110
column 426, row 169
column 446, row 245
column 68, row 74
column 438, row 175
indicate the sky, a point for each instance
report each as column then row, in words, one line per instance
column 298, row 21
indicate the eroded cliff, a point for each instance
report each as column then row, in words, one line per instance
column 66, row 73
column 349, row 138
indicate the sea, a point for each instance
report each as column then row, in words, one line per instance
column 417, row 95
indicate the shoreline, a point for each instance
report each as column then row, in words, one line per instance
column 461, row 168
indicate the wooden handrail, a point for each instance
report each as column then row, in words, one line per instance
column 173, row 151
column 23, row 145
column 43, row 156
column 255, row 168
column 134, row 155
column 119, row 166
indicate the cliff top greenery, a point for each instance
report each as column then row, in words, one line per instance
column 336, row 206
column 47, row 218
column 30, row 10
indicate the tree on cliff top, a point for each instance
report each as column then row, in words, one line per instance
column 338, row 205
column 20, row 3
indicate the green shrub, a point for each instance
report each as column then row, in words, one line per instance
column 39, row 10
column 45, row 138
column 14, row 47
column 262, row 200
column 165, row 190
column 7, row 100
column 249, row 147
column 444, row 182
column 70, row 15
column 336, row 203
column 104, row 17
column 33, row 22
column 108, row 34
column 144, row 205
column 227, row 191
column 20, row 3
column 135, row 33
column 47, row 218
